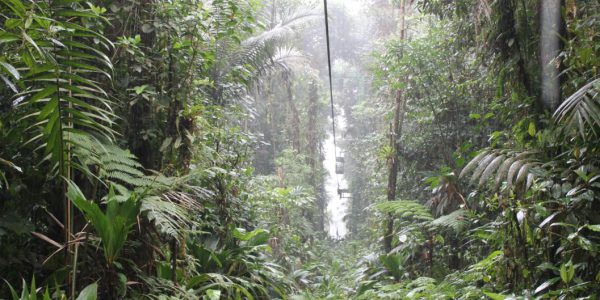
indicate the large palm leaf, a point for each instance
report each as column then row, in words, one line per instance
column 267, row 51
column 60, row 66
column 581, row 111
column 55, row 53
column 512, row 167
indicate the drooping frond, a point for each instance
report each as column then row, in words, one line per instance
column 446, row 194
column 581, row 111
column 512, row 167
column 284, row 27
column 9, row 165
column 284, row 58
column 264, row 51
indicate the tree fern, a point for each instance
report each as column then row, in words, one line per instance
column 455, row 220
column 405, row 209
column 164, row 201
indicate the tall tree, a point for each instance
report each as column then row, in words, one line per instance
column 395, row 136
column 550, row 20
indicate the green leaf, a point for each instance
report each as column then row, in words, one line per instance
column 112, row 226
column 548, row 219
column 140, row 89
column 531, row 130
column 495, row 296
column 16, row 6
column 548, row 283
column 474, row 116
column 165, row 144
column 595, row 227
column 90, row 292
column 8, row 67
column 213, row 294
column 567, row 272
column 6, row 37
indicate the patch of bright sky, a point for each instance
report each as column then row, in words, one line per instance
column 353, row 7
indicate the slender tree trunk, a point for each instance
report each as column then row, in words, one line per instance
column 294, row 129
column 395, row 135
column 551, row 21
column 314, row 153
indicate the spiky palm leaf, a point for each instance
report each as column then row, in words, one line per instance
column 284, row 27
column 581, row 111
column 265, row 52
column 59, row 67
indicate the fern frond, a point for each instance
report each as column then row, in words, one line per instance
column 169, row 217
column 405, row 209
column 455, row 220
column 127, row 179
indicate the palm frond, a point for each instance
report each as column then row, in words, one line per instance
column 264, row 51
column 285, row 27
column 61, row 70
column 512, row 167
column 581, row 111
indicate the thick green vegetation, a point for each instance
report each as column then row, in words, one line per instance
column 175, row 149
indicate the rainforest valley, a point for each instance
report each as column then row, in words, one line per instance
column 299, row 149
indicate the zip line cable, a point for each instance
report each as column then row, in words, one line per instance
column 331, row 92
column 329, row 69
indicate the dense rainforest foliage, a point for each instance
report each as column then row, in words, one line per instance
column 184, row 149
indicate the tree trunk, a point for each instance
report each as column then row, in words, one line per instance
column 294, row 127
column 314, row 153
column 395, row 135
column 550, row 20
